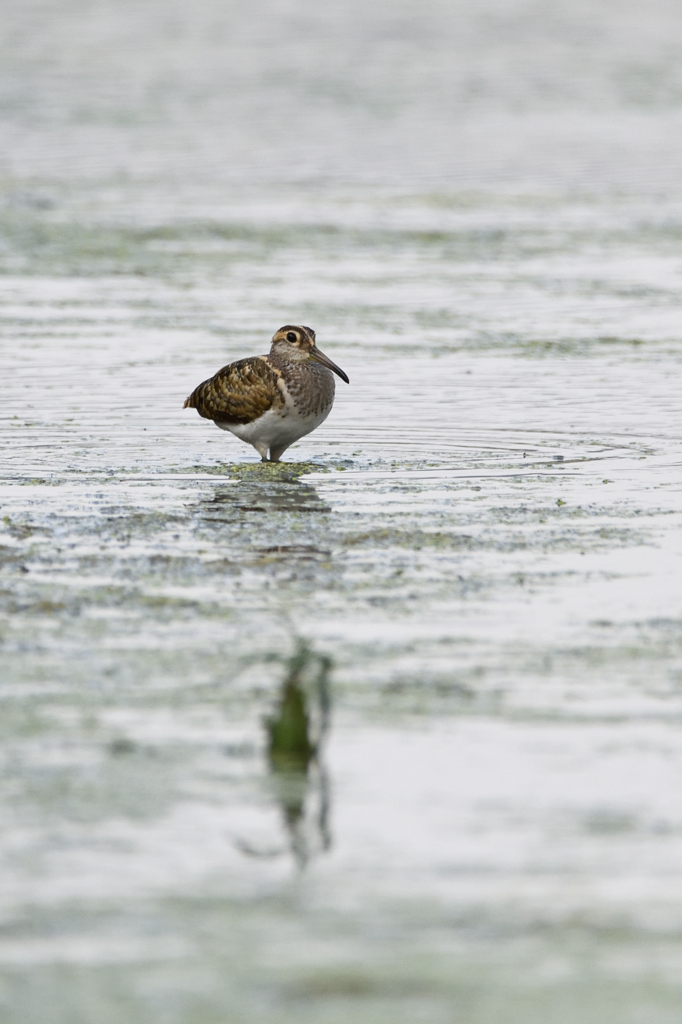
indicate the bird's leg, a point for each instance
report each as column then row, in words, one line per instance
column 277, row 453
column 262, row 450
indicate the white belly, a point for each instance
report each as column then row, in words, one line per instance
column 276, row 429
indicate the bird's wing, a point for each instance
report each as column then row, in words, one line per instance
column 239, row 393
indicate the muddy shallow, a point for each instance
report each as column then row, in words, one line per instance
column 484, row 538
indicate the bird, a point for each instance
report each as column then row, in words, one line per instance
column 271, row 401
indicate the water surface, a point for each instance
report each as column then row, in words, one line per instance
column 477, row 209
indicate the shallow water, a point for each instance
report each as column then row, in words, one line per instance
column 478, row 211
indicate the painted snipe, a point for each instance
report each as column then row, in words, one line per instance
column 271, row 401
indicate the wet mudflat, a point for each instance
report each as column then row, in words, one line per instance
column 476, row 560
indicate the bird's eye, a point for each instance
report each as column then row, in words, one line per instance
column 291, row 336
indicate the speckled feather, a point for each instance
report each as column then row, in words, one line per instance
column 310, row 385
column 239, row 392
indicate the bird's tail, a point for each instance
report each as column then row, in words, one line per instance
column 198, row 399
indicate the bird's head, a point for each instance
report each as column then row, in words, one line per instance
column 297, row 344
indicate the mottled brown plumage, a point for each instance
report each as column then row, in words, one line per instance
column 239, row 393
column 271, row 401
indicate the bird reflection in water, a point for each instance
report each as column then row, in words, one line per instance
column 295, row 735
column 265, row 488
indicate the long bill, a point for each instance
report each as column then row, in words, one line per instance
column 320, row 357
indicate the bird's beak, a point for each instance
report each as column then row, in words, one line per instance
column 320, row 357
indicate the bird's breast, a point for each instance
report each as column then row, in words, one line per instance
column 309, row 389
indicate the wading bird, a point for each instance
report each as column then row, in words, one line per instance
column 271, row 401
